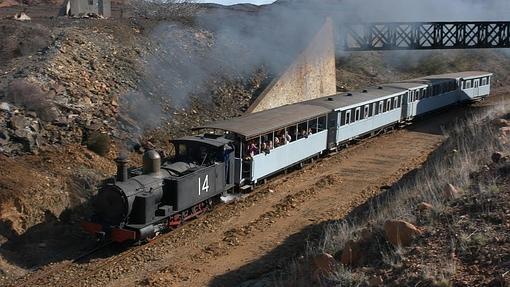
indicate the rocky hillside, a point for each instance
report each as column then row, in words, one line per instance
column 74, row 91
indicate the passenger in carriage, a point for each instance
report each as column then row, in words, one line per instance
column 310, row 132
column 265, row 147
column 252, row 149
column 277, row 140
column 304, row 133
column 287, row 138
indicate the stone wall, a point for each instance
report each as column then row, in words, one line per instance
column 311, row 75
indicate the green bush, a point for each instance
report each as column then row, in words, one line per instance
column 99, row 143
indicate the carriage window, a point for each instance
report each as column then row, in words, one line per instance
column 381, row 104
column 388, row 105
column 267, row 142
column 484, row 81
column 347, row 117
column 279, row 138
column 251, row 147
column 371, row 109
column 322, row 123
column 376, row 108
column 357, row 114
column 312, row 125
column 290, row 133
column 395, row 102
column 366, row 111
column 302, row 130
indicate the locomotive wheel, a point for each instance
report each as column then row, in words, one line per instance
column 152, row 237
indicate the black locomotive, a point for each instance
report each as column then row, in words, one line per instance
column 140, row 203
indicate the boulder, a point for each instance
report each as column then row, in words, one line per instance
column 375, row 281
column 18, row 122
column 400, row 233
column 423, row 206
column 353, row 253
column 22, row 16
column 450, row 191
column 324, row 264
column 5, row 107
column 496, row 157
column 501, row 123
column 4, row 137
column 504, row 131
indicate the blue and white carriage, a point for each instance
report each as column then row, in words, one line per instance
column 273, row 140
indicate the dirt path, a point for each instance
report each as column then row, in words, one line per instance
column 238, row 241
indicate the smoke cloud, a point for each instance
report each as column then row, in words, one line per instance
column 232, row 43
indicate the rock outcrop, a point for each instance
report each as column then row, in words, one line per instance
column 400, row 233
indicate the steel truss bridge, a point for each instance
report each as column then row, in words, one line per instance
column 425, row 35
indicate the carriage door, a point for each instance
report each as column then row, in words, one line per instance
column 476, row 90
column 332, row 128
column 405, row 112
column 410, row 104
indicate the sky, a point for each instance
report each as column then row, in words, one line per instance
column 232, row 2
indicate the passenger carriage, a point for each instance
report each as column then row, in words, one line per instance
column 305, row 125
column 322, row 124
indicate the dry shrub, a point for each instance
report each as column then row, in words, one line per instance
column 99, row 143
column 29, row 95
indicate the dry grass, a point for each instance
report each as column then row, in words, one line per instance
column 470, row 143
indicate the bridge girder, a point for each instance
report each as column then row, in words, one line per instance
column 425, row 35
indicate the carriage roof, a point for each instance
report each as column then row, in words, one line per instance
column 259, row 123
column 269, row 120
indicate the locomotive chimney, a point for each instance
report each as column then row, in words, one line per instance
column 122, row 172
column 151, row 162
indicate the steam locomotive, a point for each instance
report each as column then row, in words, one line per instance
column 139, row 203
